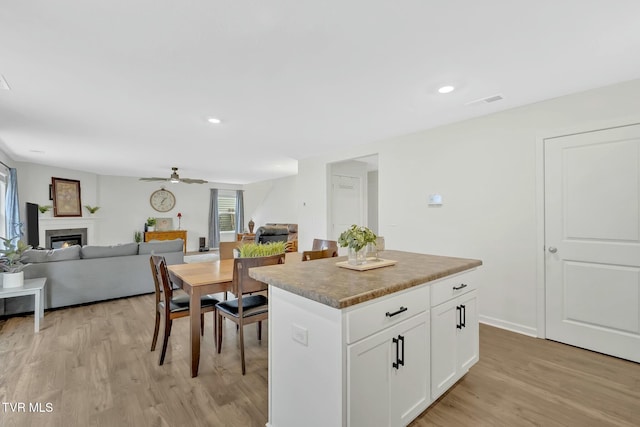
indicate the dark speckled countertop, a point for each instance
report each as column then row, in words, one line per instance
column 323, row 281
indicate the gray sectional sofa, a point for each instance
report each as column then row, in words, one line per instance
column 78, row 275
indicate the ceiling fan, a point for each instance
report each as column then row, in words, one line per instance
column 175, row 178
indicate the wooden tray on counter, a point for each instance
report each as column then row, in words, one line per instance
column 369, row 265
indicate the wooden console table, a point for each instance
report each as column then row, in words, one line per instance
column 249, row 236
column 167, row 235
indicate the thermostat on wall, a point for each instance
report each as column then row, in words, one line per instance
column 435, row 200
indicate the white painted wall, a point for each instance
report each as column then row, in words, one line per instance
column 372, row 201
column 485, row 170
column 271, row 201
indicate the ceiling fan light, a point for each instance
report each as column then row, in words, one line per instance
column 174, row 180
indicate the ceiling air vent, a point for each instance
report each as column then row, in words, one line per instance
column 487, row 100
column 3, row 83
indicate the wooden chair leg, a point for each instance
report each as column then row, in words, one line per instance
column 201, row 324
column 260, row 330
column 155, row 331
column 242, row 348
column 167, row 331
column 219, row 333
column 215, row 328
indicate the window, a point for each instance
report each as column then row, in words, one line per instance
column 227, row 211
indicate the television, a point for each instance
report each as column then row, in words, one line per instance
column 33, row 230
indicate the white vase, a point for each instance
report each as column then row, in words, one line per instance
column 13, row 280
column 357, row 257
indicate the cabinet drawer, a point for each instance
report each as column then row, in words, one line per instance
column 450, row 287
column 380, row 314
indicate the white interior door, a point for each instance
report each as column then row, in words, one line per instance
column 347, row 204
column 592, row 240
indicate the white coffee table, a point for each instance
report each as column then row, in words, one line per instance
column 33, row 287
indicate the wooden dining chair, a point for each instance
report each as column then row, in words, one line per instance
column 173, row 307
column 246, row 309
column 319, row 244
column 226, row 249
column 323, row 253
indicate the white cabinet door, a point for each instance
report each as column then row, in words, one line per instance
column 388, row 375
column 410, row 385
column 454, row 341
column 444, row 346
column 468, row 336
column 368, row 363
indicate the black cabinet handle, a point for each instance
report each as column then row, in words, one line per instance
column 462, row 286
column 396, row 364
column 463, row 320
column 458, row 317
column 401, row 310
column 399, row 362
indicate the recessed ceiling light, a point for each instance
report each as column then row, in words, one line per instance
column 446, row 89
column 214, row 120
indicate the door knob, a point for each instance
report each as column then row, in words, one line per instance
column 553, row 249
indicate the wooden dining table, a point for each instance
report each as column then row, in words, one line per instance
column 198, row 279
column 203, row 278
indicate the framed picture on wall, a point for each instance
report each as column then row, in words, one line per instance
column 164, row 224
column 66, row 197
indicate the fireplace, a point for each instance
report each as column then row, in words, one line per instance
column 65, row 237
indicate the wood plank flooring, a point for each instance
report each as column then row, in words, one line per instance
column 94, row 367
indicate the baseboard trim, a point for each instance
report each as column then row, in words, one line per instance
column 509, row 326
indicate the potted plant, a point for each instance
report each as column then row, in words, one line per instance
column 11, row 262
column 356, row 238
column 151, row 223
column 254, row 250
column 137, row 236
column 44, row 208
column 92, row 209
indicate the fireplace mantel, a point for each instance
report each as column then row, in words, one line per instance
column 52, row 223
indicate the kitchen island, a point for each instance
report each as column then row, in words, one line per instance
column 367, row 348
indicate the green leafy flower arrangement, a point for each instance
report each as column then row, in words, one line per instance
column 356, row 237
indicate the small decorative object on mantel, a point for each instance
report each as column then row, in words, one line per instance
column 179, row 219
column 44, row 208
column 251, row 225
column 151, row 224
column 92, row 209
column 11, row 262
column 356, row 239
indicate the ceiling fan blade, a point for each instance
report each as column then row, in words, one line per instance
column 193, row 181
column 154, row 178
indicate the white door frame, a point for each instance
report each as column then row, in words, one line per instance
column 540, row 225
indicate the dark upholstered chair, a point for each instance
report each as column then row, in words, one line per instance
column 323, row 253
column 245, row 308
column 173, row 307
column 271, row 233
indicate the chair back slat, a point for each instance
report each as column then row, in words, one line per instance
column 242, row 282
column 319, row 254
column 161, row 277
column 320, row 244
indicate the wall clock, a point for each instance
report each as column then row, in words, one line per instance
column 162, row 200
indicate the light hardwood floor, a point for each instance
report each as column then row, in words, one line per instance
column 93, row 365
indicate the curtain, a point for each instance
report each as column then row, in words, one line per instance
column 12, row 221
column 214, row 220
column 239, row 212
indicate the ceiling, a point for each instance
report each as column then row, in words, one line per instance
column 125, row 87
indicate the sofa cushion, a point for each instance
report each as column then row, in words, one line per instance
column 161, row 246
column 49, row 255
column 125, row 249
